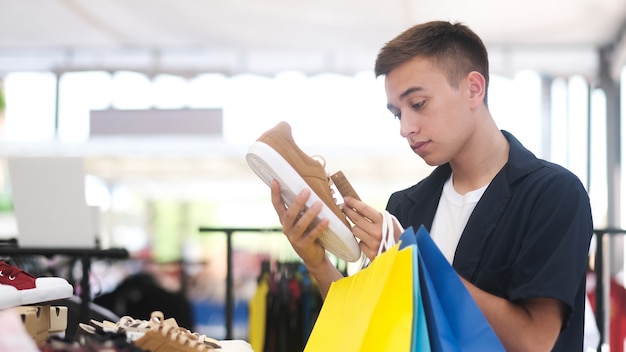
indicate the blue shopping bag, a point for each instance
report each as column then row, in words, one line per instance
column 420, row 342
column 455, row 323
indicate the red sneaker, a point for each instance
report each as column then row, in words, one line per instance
column 31, row 289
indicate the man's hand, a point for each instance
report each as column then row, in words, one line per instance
column 368, row 225
column 297, row 225
column 297, row 222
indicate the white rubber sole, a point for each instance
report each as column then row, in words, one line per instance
column 46, row 293
column 9, row 299
column 268, row 164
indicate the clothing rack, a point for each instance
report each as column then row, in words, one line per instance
column 602, row 280
column 229, row 307
column 85, row 255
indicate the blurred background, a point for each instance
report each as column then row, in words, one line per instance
column 161, row 99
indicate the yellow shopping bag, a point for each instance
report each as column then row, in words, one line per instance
column 371, row 310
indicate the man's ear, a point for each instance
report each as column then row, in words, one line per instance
column 477, row 86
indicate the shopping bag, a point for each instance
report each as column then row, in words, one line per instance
column 419, row 338
column 455, row 322
column 371, row 310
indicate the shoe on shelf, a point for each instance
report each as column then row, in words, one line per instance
column 31, row 289
column 167, row 338
column 191, row 335
column 136, row 328
column 275, row 155
column 131, row 327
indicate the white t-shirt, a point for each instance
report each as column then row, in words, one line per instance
column 451, row 217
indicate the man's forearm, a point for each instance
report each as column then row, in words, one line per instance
column 532, row 325
column 325, row 275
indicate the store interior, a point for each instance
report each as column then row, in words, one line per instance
column 152, row 108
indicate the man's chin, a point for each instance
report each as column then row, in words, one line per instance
column 432, row 161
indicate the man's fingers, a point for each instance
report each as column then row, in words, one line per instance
column 367, row 225
column 312, row 228
column 298, row 220
column 277, row 200
column 365, row 211
column 288, row 215
column 303, row 219
column 370, row 227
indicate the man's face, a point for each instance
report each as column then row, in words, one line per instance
column 434, row 116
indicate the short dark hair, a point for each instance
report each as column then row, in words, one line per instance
column 454, row 48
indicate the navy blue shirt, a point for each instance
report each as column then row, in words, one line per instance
column 528, row 236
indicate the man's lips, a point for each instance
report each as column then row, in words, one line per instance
column 419, row 146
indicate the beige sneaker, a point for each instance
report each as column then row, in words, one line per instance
column 166, row 338
column 133, row 328
column 136, row 328
column 275, row 155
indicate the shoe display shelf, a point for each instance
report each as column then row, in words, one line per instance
column 85, row 255
column 30, row 298
column 157, row 334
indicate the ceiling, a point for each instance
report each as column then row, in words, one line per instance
column 187, row 37
column 268, row 36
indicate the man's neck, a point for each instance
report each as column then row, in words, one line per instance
column 487, row 153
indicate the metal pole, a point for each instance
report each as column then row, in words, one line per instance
column 229, row 285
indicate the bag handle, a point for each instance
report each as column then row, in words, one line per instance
column 388, row 238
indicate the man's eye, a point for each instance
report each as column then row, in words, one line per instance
column 397, row 116
column 418, row 105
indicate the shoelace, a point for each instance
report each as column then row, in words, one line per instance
column 388, row 238
column 157, row 321
column 202, row 338
column 320, row 159
column 181, row 336
column 127, row 322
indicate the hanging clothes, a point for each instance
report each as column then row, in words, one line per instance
column 258, row 313
column 284, row 308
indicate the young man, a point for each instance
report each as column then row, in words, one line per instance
column 515, row 228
